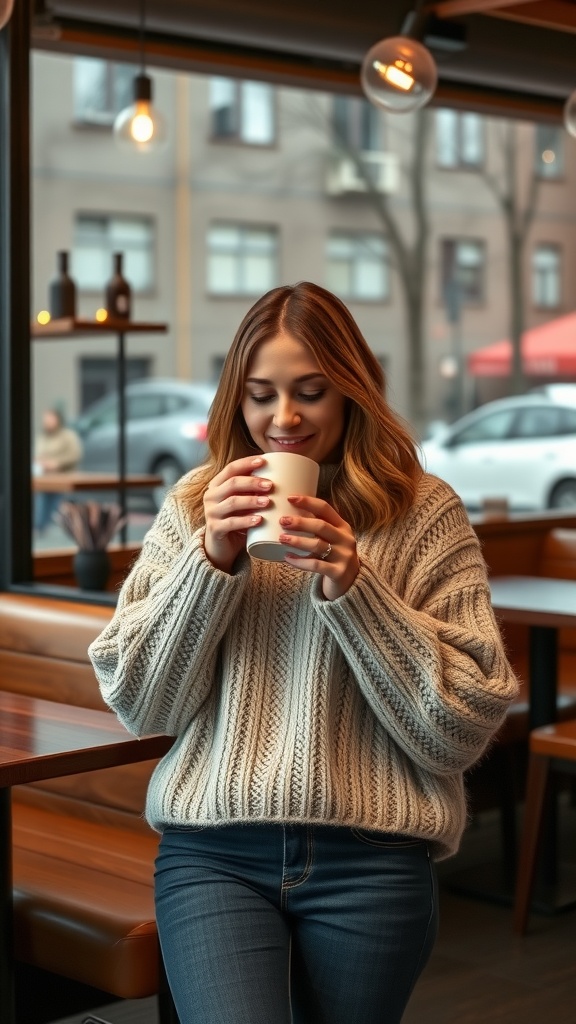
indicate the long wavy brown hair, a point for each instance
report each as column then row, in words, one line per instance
column 377, row 478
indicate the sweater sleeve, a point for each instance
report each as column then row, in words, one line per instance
column 155, row 661
column 430, row 663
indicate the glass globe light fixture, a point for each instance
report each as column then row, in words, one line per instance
column 140, row 126
column 570, row 114
column 399, row 74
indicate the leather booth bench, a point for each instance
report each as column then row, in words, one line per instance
column 83, row 855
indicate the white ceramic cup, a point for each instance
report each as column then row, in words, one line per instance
column 291, row 474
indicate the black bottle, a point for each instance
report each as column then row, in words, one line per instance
column 62, row 291
column 118, row 293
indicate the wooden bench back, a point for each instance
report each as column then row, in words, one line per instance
column 43, row 653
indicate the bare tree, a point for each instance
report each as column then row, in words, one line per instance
column 518, row 205
column 408, row 242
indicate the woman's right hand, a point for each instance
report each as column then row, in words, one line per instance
column 231, row 503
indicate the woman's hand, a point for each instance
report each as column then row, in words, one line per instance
column 331, row 551
column 231, row 503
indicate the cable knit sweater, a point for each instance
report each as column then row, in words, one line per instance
column 363, row 711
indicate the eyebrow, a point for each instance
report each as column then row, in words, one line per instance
column 298, row 380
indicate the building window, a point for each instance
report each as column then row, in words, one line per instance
column 97, row 237
column 357, row 123
column 548, row 151
column 101, row 90
column 546, row 276
column 99, row 376
column 242, row 259
column 462, row 268
column 357, row 266
column 459, row 139
column 243, row 111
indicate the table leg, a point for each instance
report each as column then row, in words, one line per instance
column 7, row 1000
column 122, row 432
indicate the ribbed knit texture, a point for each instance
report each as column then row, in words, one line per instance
column 362, row 711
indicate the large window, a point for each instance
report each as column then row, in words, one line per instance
column 97, row 237
column 462, row 270
column 242, row 111
column 549, row 151
column 459, row 139
column 357, row 266
column 546, row 276
column 357, row 123
column 101, row 90
column 242, row 259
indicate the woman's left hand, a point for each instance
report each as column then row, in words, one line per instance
column 331, row 551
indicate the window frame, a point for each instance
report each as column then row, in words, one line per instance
column 460, row 163
column 108, row 216
column 540, row 247
column 359, row 236
column 242, row 226
column 236, row 138
column 446, row 280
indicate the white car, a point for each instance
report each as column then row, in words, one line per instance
column 522, row 449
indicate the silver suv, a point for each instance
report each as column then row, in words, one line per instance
column 165, row 430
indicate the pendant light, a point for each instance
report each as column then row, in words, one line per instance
column 140, row 126
column 399, row 74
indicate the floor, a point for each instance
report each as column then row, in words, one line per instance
column 479, row 971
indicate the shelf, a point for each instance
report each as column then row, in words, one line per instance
column 77, row 327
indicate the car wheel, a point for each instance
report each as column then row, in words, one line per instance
column 564, row 495
column 170, row 470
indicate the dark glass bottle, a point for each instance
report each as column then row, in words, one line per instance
column 62, row 291
column 118, row 292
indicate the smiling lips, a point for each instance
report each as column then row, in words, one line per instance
column 290, row 442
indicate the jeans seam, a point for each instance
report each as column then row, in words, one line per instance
column 433, row 901
column 288, row 885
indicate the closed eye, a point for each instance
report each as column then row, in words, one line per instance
column 304, row 396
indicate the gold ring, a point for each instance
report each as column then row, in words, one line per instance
column 326, row 553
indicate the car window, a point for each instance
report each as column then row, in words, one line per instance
column 568, row 421
column 143, row 407
column 537, row 421
column 176, row 403
column 492, row 427
column 107, row 412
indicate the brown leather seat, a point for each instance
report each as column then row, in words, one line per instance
column 552, row 746
column 84, row 904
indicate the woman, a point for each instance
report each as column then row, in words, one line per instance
column 325, row 708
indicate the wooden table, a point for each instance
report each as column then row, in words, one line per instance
column 545, row 605
column 69, row 483
column 41, row 739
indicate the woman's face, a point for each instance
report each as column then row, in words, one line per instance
column 288, row 403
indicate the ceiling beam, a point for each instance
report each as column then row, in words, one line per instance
column 455, row 8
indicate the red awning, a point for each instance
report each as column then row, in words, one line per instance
column 547, row 351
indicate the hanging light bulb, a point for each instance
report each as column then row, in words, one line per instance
column 570, row 114
column 399, row 73
column 140, row 126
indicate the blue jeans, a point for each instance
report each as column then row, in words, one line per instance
column 311, row 924
column 46, row 503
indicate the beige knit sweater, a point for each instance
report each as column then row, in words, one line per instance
column 362, row 711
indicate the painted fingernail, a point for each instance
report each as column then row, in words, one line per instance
column 262, row 501
column 258, row 461
column 265, row 484
column 255, row 519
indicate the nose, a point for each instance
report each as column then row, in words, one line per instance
column 286, row 414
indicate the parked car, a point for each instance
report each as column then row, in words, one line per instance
column 165, row 430
column 522, row 449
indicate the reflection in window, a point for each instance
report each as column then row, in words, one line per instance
column 462, row 269
column 548, row 151
column 242, row 259
column 459, row 139
column 244, row 111
column 357, row 123
column 357, row 266
column 101, row 89
column 98, row 236
column 546, row 276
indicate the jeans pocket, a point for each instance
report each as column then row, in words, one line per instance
column 387, row 840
